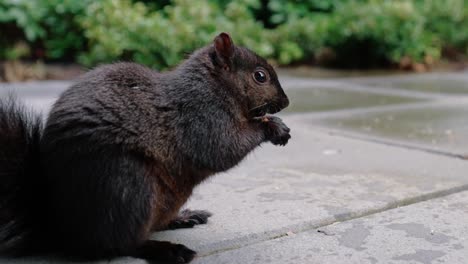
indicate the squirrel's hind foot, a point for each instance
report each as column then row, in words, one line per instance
column 189, row 218
column 164, row 251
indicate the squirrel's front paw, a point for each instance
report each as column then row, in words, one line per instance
column 275, row 130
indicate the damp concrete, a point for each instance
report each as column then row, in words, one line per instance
column 441, row 127
column 316, row 99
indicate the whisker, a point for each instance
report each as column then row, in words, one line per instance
column 260, row 106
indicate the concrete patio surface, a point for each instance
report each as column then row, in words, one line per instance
column 376, row 172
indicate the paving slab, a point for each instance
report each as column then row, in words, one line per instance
column 434, row 231
column 323, row 73
column 435, row 126
column 455, row 84
column 366, row 85
column 37, row 95
column 34, row 88
column 315, row 99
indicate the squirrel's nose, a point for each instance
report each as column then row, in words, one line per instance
column 283, row 100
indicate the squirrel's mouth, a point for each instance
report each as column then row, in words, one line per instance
column 267, row 108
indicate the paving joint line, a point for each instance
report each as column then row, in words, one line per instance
column 383, row 91
column 378, row 108
column 350, row 85
column 399, row 144
column 350, row 216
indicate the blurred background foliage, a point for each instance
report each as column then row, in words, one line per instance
column 335, row 33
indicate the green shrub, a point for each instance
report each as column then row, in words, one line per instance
column 447, row 20
column 64, row 37
column 161, row 38
column 18, row 22
column 49, row 25
column 345, row 33
column 389, row 30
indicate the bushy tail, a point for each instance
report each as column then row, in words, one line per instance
column 20, row 133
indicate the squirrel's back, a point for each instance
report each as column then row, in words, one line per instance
column 97, row 150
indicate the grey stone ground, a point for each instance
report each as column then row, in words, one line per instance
column 376, row 172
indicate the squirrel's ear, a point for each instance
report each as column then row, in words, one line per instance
column 224, row 47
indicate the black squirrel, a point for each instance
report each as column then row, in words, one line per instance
column 123, row 148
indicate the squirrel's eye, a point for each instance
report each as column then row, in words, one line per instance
column 260, row 76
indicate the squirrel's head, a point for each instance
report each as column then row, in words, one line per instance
column 254, row 79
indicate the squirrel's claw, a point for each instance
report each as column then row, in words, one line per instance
column 281, row 140
column 189, row 218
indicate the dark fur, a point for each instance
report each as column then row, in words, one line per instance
column 20, row 133
column 124, row 147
